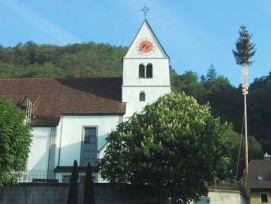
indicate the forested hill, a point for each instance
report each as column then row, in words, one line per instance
column 92, row 60
column 75, row 60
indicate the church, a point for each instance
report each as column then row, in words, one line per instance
column 71, row 117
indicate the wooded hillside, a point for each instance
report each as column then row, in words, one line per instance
column 76, row 60
column 104, row 60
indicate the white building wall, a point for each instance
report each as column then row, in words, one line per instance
column 153, row 88
column 226, row 197
column 72, row 135
column 144, row 33
column 160, row 69
column 39, row 151
column 131, row 95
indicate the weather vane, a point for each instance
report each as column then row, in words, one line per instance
column 145, row 9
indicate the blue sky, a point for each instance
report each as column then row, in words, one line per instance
column 195, row 34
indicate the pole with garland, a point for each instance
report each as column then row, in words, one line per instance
column 243, row 53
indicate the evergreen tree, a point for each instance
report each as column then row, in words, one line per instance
column 73, row 192
column 89, row 190
column 244, row 48
column 211, row 74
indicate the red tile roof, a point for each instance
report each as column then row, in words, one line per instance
column 76, row 96
column 259, row 168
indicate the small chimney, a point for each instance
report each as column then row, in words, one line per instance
column 266, row 156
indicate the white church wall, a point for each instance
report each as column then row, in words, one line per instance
column 145, row 33
column 160, row 72
column 72, row 135
column 131, row 94
column 39, row 151
column 151, row 84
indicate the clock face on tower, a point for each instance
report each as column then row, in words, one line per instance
column 145, row 46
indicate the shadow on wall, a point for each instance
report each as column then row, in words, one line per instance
column 53, row 157
column 101, row 141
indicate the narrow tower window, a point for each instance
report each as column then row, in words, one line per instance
column 141, row 71
column 142, row 96
column 149, row 70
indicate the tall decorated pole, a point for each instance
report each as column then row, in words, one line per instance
column 244, row 51
column 245, row 92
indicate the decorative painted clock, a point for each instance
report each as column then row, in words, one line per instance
column 145, row 47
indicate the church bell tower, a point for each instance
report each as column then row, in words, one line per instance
column 145, row 71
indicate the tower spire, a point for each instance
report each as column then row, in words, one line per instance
column 145, row 9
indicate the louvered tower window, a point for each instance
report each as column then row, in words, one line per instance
column 149, row 70
column 141, row 71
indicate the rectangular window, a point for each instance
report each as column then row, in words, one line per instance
column 66, row 178
column 264, row 198
column 89, row 147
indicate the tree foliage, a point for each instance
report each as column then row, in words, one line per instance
column 73, row 191
column 15, row 141
column 76, row 60
column 188, row 83
column 238, row 153
column 244, row 48
column 227, row 103
column 173, row 144
column 259, row 111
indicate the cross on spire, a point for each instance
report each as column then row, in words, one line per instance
column 145, row 9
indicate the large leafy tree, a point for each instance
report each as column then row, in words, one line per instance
column 174, row 144
column 244, row 48
column 15, row 141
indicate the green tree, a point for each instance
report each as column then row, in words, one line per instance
column 220, row 94
column 255, row 152
column 89, row 197
column 15, row 141
column 211, row 74
column 259, row 111
column 173, row 144
column 244, row 48
column 188, row 83
column 73, row 191
column 75, row 60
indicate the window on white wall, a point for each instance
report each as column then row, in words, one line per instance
column 141, row 71
column 89, row 147
column 142, row 96
column 149, row 71
column 264, row 198
column 145, row 71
